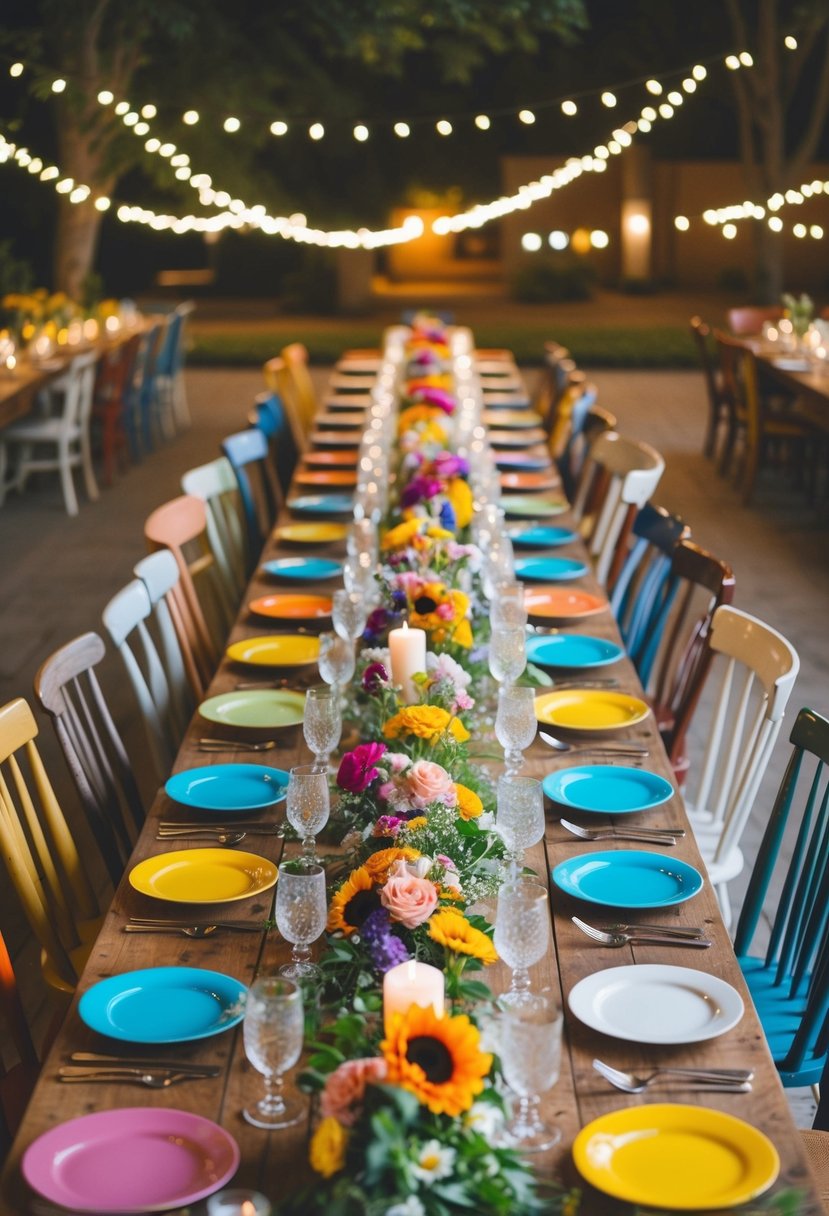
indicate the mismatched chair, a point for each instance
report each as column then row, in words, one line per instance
column 568, row 442
column 719, row 405
column 271, row 416
column 249, row 456
column 111, row 402
column 215, row 484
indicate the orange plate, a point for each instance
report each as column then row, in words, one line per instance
column 346, row 459
column 334, row 477
column 292, row 607
column 530, row 481
column 561, row 603
column 517, row 439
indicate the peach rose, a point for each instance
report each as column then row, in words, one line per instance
column 427, row 782
column 342, row 1097
column 409, row 899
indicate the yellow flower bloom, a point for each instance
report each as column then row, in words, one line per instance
column 425, row 722
column 419, row 821
column 438, row 1059
column 415, row 414
column 450, row 928
column 356, row 899
column 460, row 496
column 469, row 805
column 381, row 862
column 463, row 635
column 327, row 1149
column 402, row 535
column 437, row 533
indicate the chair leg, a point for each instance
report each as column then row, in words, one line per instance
column 181, row 410
column 723, row 899
column 88, row 468
column 69, row 496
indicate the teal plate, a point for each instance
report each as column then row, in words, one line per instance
column 628, row 878
column 164, row 1005
column 572, row 650
column 540, row 537
column 527, row 507
column 303, row 569
column 549, row 569
column 607, row 789
column 228, row 788
column 322, row 504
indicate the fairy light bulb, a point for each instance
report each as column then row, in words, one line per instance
column 608, row 99
column 682, row 223
column 106, row 97
column 190, row 117
column 141, row 128
column 799, row 230
column 732, row 62
column 58, row 85
column 746, row 59
column 232, row 125
column 16, row 69
column 790, row 42
column 360, row 133
column 775, row 223
column 152, row 144
column 316, row 130
column 816, row 231
column 676, row 99
column 443, row 126
column 689, row 84
column 569, row 108
column 482, row 122
column 653, row 86
column 149, row 111
column 699, row 72
column 130, row 119
column 122, row 108
column 403, row 130
column 527, row 117
column 729, row 231
column 103, row 203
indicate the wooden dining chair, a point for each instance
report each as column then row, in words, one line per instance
column 215, row 484
column 280, row 383
column 271, row 416
column 174, row 630
column 181, row 526
column 719, row 405
column 619, row 476
column 144, row 416
column 110, row 404
column 44, row 864
column 568, row 443
column 19, row 1065
column 757, row 671
column 170, row 391
column 58, row 440
column 249, row 457
column 557, row 371
column 788, row 977
column 67, row 688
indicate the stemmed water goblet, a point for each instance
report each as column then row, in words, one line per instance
column 515, row 723
column 349, row 613
column 507, row 652
column 322, row 723
column 301, row 914
column 508, row 607
column 308, row 804
column 530, row 1053
column 337, row 661
column 358, row 575
column 519, row 820
column 273, row 1032
column 522, row 933
column 362, row 539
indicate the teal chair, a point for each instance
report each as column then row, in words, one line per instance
column 789, row 983
column 249, row 456
column 270, row 416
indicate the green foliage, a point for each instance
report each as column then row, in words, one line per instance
column 554, row 278
column 16, row 275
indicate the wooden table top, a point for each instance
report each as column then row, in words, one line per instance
column 271, row 1162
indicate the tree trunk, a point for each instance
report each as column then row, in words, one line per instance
column 75, row 246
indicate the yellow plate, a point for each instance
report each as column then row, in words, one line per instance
column 310, row 534
column 586, row 709
column 677, row 1157
column 203, row 876
column 281, row 650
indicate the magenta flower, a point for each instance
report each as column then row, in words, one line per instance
column 357, row 771
column 419, row 489
column 374, row 677
column 439, row 397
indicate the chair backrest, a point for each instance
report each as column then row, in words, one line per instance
column 702, row 336
column 42, row 859
column 295, row 357
column 797, row 954
column 750, row 319
column 556, row 371
column 618, row 478
column 115, row 372
column 215, row 484
column 145, row 363
column 738, row 367
column 568, row 445
column 280, row 382
column 68, row 689
column 77, row 384
column 271, row 416
column 759, row 671
column 160, row 575
column 17, row 1079
column 181, row 526
column 249, row 457
column 170, row 338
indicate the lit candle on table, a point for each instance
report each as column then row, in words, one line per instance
column 411, row 983
column 407, row 655
column 238, row 1202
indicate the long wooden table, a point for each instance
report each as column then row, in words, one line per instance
column 274, row 1163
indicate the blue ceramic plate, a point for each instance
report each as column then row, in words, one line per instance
column 228, row 788
column 540, row 537
column 609, row 789
column 512, row 462
column 549, row 569
column 629, row 878
column 533, row 508
column 163, row 1005
column 303, row 569
column 322, row 504
column 572, row 650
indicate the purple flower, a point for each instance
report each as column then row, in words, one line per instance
column 399, row 600
column 448, row 464
column 434, row 396
column 374, row 677
column 377, row 621
column 385, row 948
column 419, row 489
column 357, row 771
column 388, row 825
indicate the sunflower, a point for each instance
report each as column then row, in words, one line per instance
column 438, row 1059
column 425, row 722
column 469, row 805
column 380, row 863
column 450, row 929
column 356, row 899
column 327, row 1149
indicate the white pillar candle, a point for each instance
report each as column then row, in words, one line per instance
column 411, row 983
column 407, row 655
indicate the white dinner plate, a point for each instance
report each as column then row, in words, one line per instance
column 655, row 1003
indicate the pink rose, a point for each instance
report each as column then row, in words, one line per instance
column 409, row 900
column 342, row 1097
column 427, row 782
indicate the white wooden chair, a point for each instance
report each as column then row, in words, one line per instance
column 618, row 477
column 163, row 585
column 56, row 440
column 215, row 484
column 757, row 671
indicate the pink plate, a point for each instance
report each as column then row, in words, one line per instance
column 130, row 1160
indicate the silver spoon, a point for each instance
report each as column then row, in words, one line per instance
column 224, row 838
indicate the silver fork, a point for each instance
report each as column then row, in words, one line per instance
column 666, row 836
column 648, row 937
column 725, row 1080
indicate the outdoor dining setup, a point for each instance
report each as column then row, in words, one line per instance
column 456, row 734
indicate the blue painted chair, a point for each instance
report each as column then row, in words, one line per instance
column 250, row 460
column 270, row 416
column 789, row 983
column 568, row 441
column 139, row 406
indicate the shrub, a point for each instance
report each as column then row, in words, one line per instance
column 552, row 279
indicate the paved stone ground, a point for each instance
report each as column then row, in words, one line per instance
column 58, row 573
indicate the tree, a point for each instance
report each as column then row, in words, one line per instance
column 776, row 141
column 188, row 52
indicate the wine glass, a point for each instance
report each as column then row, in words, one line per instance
column 358, row 575
column 362, row 539
column 522, row 933
column 349, row 613
column 301, row 914
column 322, row 724
column 530, row 1052
column 273, row 1031
column 498, row 565
column 508, row 608
column 519, row 819
column 307, row 804
column 336, row 659
column 515, row 723
column 507, row 652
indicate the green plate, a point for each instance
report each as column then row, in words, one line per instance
column 528, row 507
column 260, row 707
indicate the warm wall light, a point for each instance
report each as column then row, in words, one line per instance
column 580, row 241
column 636, row 238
